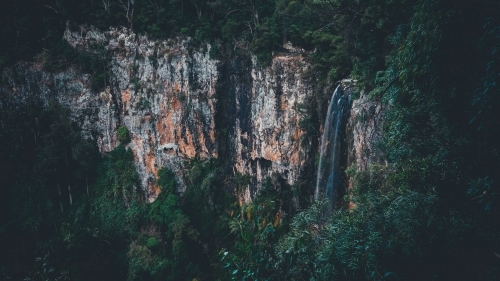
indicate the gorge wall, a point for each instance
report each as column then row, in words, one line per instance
column 364, row 131
column 178, row 103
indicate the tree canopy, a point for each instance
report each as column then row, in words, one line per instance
column 430, row 213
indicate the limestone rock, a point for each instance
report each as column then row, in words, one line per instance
column 168, row 94
column 364, row 132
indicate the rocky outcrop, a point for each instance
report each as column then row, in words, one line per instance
column 170, row 96
column 268, row 140
column 364, row 130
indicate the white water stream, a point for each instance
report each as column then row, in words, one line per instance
column 329, row 172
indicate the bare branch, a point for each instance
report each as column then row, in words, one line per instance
column 236, row 10
column 51, row 8
column 106, row 4
column 154, row 3
column 198, row 11
column 249, row 26
column 129, row 9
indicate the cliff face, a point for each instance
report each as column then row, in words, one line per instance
column 178, row 103
column 364, row 130
column 265, row 135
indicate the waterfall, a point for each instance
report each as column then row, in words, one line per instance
column 330, row 155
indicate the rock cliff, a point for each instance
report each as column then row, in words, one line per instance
column 178, row 103
column 265, row 134
column 364, row 131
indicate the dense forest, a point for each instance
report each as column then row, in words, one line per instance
column 431, row 212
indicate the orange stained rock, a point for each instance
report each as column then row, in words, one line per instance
column 284, row 105
column 154, row 191
column 126, row 97
column 294, row 158
column 277, row 220
column 176, row 104
column 150, row 160
column 201, row 139
column 284, row 58
column 212, row 134
column 176, row 88
column 351, row 205
column 272, row 152
column 296, row 135
column 187, row 148
column 166, row 127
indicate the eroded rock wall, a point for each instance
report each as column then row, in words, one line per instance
column 169, row 94
column 267, row 133
column 165, row 96
column 364, row 131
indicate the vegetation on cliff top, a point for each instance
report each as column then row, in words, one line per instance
column 430, row 214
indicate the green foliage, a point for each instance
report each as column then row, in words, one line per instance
column 205, row 199
column 96, row 62
column 415, row 218
column 430, row 214
column 206, row 203
column 387, row 233
column 258, row 226
column 242, row 180
column 43, row 271
column 106, row 232
column 346, row 36
column 166, row 181
column 151, row 242
column 123, row 135
column 143, row 104
column 117, row 206
column 49, row 173
column 171, row 252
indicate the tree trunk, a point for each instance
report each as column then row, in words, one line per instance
column 59, row 192
column 60, row 198
column 87, row 181
column 69, row 193
column 256, row 16
column 69, row 185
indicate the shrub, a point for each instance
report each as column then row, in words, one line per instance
column 123, row 135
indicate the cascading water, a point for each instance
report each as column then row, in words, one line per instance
column 330, row 155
